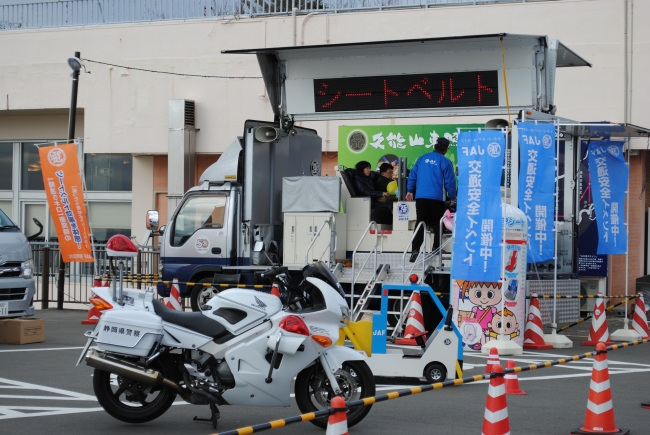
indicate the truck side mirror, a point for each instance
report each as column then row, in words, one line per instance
column 152, row 220
column 162, row 229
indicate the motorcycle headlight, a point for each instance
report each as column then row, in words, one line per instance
column 345, row 314
column 27, row 269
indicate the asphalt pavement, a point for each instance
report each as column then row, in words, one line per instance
column 41, row 391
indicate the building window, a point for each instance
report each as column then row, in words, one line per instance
column 7, row 207
column 30, row 168
column 108, row 172
column 6, row 165
column 109, row 218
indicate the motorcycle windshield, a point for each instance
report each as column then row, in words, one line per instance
column 321, row 271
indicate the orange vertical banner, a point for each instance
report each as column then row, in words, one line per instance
column 65, row 196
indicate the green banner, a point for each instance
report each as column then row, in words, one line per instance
column 379, row 144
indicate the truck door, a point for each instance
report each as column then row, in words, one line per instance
column 198, row 237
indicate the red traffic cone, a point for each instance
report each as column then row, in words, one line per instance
column 105, row 281
column 512, row 382
column 600, row 408
column 640, row 321
column 93, row 317
column 97, row 281
column 598, row 333
column 174, row 299
column 275, row 290
column 337, row 423
column 493, row 359
column 495, row 419
column 414, row 322
column 534, row 333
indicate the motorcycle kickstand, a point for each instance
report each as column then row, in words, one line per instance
column 213, row 418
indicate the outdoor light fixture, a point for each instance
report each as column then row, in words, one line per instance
column 75, row 63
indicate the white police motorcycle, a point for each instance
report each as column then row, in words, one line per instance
column 242, row 349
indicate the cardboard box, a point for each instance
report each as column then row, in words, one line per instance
column 22, row 331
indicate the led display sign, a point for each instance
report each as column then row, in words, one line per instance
column 413, row 91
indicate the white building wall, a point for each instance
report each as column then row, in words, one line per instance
column 125, row 111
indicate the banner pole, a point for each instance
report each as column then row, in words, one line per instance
column 555, row 222
column 627, row 234
column 504, row 131
column 71, row 128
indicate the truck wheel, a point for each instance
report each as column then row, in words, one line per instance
column 435, row 372
column 201, row 294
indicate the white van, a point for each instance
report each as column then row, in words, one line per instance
column 17, row 287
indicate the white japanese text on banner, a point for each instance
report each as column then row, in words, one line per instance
column 477, row 240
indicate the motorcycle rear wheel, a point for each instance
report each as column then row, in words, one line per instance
column 131, row 401
column 314, row 393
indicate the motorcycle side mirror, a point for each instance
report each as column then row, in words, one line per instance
column 152, row 220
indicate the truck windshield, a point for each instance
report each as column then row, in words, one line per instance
column 200, row 211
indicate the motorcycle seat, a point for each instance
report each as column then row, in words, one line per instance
column 196, row 322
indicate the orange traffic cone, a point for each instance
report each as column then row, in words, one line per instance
column 492, row 359
column 97, row 281
column 600, row 408
column 640, row 321
column 174, row 299
column 275, row 290
column 337, row 424
column 534, row 333
column 414, row 322
column 495, row 419
column 512, row 382
column 93, row 317
column 598, row 333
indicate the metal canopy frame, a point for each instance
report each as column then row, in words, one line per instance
column 530, row 62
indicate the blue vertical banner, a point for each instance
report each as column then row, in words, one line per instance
column 537, row 187
column 477, row 240
column 609, row 176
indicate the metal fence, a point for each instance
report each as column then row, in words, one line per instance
column 93, row 12
column 79, row 277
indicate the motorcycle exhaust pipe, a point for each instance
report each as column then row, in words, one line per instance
column 131, row 370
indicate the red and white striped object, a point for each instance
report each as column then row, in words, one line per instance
column 414, row 322
column 640, row 321
column 493, row 359
column 599, row 416
column 495, row 419
column 534, row 333
column 598, row 333
column 337, row 423
column 105, row 281
column 512, row 382
column 174, row 299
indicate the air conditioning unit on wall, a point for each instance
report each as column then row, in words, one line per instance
column 590, row 287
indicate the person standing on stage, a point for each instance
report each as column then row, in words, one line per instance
column 431, row 181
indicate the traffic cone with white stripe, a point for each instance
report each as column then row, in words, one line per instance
column 512, row 382
column 414, row 322
column 337, row 423
column 640, row 321
column 97, row 281
column 534, row 333
column 493, row 359
column 598, row 333
column 495, row 419
column 105, row 281
column 174, row 299
column 600, row 408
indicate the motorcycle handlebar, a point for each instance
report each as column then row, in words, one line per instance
column 271, row 272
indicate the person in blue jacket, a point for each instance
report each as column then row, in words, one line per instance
column 431, row 181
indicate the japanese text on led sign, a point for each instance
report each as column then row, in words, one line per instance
column 413, row 91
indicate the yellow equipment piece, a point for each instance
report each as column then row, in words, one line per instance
column 360, row 335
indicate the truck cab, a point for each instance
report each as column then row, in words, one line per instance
column 232, row 222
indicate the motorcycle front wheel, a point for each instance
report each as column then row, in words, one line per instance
column 313, row 391
column 131, row 401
